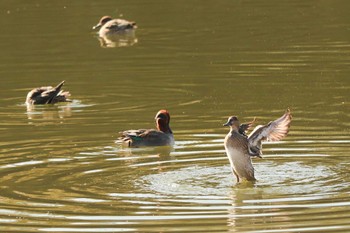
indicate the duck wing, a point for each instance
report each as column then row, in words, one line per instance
column 119, row 24
column 133, row 133
column 273, row 131
column 243, row 128
column 52, row 93
column 144, row 137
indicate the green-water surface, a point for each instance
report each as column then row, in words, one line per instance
column 61, row 171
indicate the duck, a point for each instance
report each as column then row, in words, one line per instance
column 240, row 148
column 109, row 26
column 162, row 136
column 47, row 95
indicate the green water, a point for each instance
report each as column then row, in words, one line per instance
column 60, row 170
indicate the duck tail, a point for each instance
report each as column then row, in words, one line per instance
column 55, row 93
column 59, row 86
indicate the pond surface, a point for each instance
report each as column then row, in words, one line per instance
column 61, row 171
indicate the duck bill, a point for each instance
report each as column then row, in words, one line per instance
column 98, row 26
column 227, row 124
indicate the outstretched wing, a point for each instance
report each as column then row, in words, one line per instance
column 273, row 131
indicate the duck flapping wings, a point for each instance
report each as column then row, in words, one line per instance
column 273, row 131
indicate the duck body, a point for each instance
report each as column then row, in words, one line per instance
column 109, row 26
column 236, row 147
column 47, row 95
column 147, row 137
column 162, row 136
column 240, row 148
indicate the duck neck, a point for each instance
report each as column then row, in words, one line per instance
column 163, row 126
column 234, row 129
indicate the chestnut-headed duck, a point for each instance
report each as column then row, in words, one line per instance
column 239, row 147
column 162, row 136
column 107, row 25
column 47, row 95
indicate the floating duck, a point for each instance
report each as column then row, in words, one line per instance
column 109, row 26
column 47, row 95
column 162, row 136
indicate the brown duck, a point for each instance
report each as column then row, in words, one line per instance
column 47, row 95
column 239, row 147
column 162, row 136
column 107, row 25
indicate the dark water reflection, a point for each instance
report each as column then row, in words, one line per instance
column 124, row 39
column 60, row 170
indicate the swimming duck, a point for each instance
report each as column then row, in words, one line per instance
column 107, row 25
column 47, row 95
column 239, row 148
column 162, row 136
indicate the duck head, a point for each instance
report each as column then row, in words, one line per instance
column 102, row 22
column 162, row 121
column 233, row 122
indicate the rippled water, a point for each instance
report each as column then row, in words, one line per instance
column 61, row 170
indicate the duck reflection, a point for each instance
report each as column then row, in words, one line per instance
column 240, row 214
column 162, row 152
column 124, row 39
column 156, row 157
column 48, row 112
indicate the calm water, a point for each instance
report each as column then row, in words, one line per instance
column 60, row 170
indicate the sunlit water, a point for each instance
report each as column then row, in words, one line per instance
column 61, row 170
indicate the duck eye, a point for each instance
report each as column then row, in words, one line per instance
column 105, row 20
column 162, row 116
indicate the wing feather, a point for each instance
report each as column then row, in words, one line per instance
column 119, row 24
column 144, row 137
column 243, row 128
column 273, row 131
